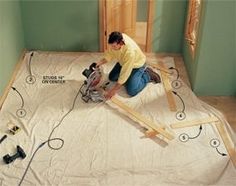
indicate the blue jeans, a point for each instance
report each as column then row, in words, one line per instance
column 136, row 82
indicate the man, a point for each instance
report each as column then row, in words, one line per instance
column 130, row 70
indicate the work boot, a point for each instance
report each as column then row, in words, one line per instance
column 154, row 77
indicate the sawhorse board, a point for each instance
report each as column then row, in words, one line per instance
column 167, row 84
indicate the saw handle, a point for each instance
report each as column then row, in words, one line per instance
column 93, row 66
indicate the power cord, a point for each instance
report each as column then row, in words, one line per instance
column 49, row 140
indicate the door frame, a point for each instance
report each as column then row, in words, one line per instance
column 102, row 25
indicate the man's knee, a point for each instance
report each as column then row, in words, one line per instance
column 132, row 92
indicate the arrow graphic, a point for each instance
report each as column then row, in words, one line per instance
column 200, row 130
column 185, row 137
column 172, row 68
column 31, row 55
column 22, row 104
column 215, row 143
column 175, row 93
column 222, row 154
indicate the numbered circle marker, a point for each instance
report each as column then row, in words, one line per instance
column 215, row 143
column 176, row 84
column 30, row 79
column 183, row 137
column 21, row 113
column 180, row 115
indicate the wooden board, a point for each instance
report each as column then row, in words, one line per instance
column 142, row 120
column 168, row 89
column 194, row 122
column 159, row 67
column 227, row 141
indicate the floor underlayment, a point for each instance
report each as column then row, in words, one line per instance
column 101, row 144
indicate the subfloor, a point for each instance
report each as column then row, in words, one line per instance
column 226, row 104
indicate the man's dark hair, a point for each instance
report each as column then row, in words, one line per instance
column 115, row 37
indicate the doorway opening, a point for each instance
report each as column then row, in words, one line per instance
column 133, row 17
column 141, row 24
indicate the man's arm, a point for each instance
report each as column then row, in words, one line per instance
column 101, row 62
column 112, row 91
column 115, row 88
column 125, row 72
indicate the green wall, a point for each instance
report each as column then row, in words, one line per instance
column 61, row 25
column 213, row 71
column 169, row 25
column 11, row 40
column 74, row 25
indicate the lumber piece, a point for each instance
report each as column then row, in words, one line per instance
column 141, row 119
column 168, row 89
column 194, row 122
column 227, row 141
column 159, row 67
column 149, row 132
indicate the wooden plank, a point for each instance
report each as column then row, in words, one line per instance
column 149, row 131
column 158, row 67
column 141, row 119
column 124, row 107
column 227, row 141
column 168, row 89
column 194, row 122
column 14, row 74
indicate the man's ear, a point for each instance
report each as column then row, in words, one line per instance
column 122, row 42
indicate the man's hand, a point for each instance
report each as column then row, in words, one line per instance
column 109, row 94
column 100, row 63
column 112, row 91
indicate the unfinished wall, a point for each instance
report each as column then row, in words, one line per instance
column 11, row 40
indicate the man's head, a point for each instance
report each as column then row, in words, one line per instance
column 116, row 40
